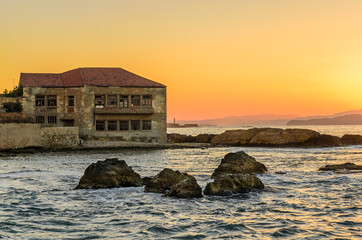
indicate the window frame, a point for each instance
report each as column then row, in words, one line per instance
column 146, row 100
column 121, row 127
column 124, row 101
column 149, row 127
column 135, row 100
column 40, row 119
column 113, row 122
column 100, row 125
column 52, row 119
column 112, row 97
column 102, row 100
column 71, row 101
column 135, row 127
column 40, row 99
column 52, row 101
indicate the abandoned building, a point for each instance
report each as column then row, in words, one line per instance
column 104, row 103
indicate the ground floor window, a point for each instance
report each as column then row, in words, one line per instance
column 112, row 125
column 123, row 125
column 146, row 125
column 100, row 125
column 40, row 119
column 52, row 119
column 135, row 125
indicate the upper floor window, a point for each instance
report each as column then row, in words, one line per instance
column 112, row 101
column 39, row 101
column 99, row 100
column 147, row 100
column 135, row 100
column 52, row 101
column 123, row 101
column 70, row 101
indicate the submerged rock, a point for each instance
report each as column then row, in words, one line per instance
column 349, row 139
column 344, row 166
column 239, row 163
column 233, row 184
column 109, row 173
column 187, row 188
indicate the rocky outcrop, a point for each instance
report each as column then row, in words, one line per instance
column 109, row 173
column 179, row 138
column 187, row 188
column 233, row 184
column 174, row 183
column 338, row 167
column 324, row 141
column 204, row 138
column 349, row 139
column 239, row 163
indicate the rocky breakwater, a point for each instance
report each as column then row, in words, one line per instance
column 235, row 174
column 174, row 183
column 109, row 173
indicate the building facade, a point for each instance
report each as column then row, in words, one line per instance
column 105, row 103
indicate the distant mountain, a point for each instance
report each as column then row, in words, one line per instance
column 350, row 119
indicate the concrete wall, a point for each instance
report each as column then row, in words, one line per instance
column 19, row 135
column 59, row 137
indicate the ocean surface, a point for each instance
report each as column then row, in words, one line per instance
column 37, row 200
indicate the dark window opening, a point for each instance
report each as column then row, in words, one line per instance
column 112, row 101
column 112, row 125
column 100, row 125
column 123, row 101
column 39, row 101
column 146, row 125
column 52, row 119
column 52, row 101
column 123, row 125
column 70, row 101
column 68, row 123
column 99, row 100
column 147, row 100
column 135, row 100
column 135, row 125
column 40, row 119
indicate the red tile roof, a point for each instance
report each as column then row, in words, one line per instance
column 104, row 77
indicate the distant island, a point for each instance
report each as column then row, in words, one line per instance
column 351, row 119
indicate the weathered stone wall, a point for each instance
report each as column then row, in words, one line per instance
column 19, row 135
column 10, row 100
column 59, row 137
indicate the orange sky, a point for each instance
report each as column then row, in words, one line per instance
column 217, row 58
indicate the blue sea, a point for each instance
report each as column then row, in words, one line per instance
column 37, row 200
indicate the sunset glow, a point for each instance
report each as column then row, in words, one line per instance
column 217, row 58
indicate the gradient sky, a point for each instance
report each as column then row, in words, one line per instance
column 217, row 58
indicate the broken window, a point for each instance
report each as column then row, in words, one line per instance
column 135, row 100
column 135, row 125
column 99, row 100
column 39, row 101
column 146, row 125
column 52, row 101
column 123, row 125
column 100, row 125
column 123, row 101
column 112, row 125
column 70, row 101
column 40, row 119
column 147, row 100
column 112, row 101
column 52, row 119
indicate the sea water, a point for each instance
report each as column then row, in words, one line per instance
column 37, row 200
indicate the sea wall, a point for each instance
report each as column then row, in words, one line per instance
column 19, row 135
column 59, row 137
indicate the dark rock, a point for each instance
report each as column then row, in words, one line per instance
column 179, row 138
column 187, row 188
column 164, row 180
column 344, row 166
column 324, row 141
column 109, row 173
column 204, row 138
column 280, row 172
column 233, row 184
column 146, row 180
column 239, row 163
column 349, row 139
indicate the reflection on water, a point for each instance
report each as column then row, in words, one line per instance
column 37, row 200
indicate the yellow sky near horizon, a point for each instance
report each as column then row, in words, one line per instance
column 217, row 58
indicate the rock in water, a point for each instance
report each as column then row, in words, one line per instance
column 349, row 139
column 109, row 173
column 239, row 163
column 187, row 188
column 233, row 184
column 344, row 166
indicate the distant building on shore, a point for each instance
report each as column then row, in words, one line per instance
column 177, row 125
column 105, row 103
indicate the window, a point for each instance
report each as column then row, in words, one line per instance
column 146, row 125
column 39, row 101
column 135, row 125
column 70, row 101
column 52, row 101
column 99, row 100
column 135, row 100
column 112, row 101
column 123, row 125
column 100, row 125
column 40, row 119
column 52, row 119
column 112, row 125
column 147, row 100
column 123, row 101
